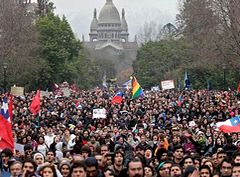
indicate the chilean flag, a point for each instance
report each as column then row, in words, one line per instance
column 117, row 99
column 230, row 126
column 6, row 136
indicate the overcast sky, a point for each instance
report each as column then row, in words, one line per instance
column 80, row 13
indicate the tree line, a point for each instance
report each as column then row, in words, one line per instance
column 40, row 48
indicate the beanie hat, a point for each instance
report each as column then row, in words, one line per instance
column 64, row 162
column 37, row 154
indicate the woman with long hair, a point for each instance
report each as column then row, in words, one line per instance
column 205, row 171
column 210, row 164
column 68, row 139
column 41, row 146
column 65, row 168
column 48, row 171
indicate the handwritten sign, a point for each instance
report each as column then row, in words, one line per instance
column 99, row 113
column 17, row 91
column 168, row 84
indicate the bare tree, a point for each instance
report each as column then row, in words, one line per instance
column 18, row 42
column 228, row 12
column 150, row 31
column 198, row 23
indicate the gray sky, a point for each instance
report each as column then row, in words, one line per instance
column 80, row 12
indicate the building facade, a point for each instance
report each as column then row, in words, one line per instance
column 109, row 40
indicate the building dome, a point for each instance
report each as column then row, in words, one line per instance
column 109, row 13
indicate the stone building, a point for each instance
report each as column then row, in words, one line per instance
column 109, row 40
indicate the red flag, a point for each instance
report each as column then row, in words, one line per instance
column 238, row 87
column 6, row 136
column 35, row 105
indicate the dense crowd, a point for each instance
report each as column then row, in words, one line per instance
column 162, row 134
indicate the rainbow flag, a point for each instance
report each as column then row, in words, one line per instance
column 136, row 89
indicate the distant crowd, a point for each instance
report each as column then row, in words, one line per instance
column 162, row 134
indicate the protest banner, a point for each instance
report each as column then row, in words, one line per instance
column 167, row 84
column 99, row 113
column 17, row 91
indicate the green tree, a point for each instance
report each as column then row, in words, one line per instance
column 88, row 73
column 157, row 61
column 59, row 47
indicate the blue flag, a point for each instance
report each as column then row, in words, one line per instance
column 186, row 81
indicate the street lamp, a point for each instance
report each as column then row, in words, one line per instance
column 4, row 77
column 224, row 76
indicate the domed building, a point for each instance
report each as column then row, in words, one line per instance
column 109, row 40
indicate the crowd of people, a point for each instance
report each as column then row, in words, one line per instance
column 162, row 134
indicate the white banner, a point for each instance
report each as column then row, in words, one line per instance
column 99, row 113
column 155, row 88
column 168, row 84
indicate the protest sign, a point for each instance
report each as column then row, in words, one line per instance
column 99, row 113
column 17, row 91
column 167, row 84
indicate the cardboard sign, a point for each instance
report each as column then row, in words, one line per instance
column 17, row 91
column 19, row 147
column 99, row 113
column 66, row 92
column 168, row 84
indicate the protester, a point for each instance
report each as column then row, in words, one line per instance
column 16, row 168
column 165, row 133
